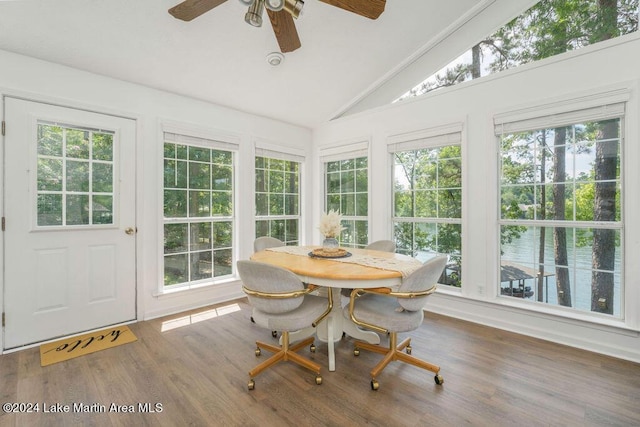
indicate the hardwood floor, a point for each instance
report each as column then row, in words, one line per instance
column 196, row 369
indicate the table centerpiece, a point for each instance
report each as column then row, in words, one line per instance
column 331, row 227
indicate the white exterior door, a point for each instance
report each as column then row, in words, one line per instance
column 70, row 221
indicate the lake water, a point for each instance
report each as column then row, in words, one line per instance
column 524, row 251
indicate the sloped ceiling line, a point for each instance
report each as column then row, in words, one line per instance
column 443, row 35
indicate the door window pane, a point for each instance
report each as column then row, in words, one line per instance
column 102, row 209
column 102, row 146
column 49, row 209
column 77, row 209
column 77, row 143
column 49, row 174
column 75, row 176
column 50, row 140
column 102, row 177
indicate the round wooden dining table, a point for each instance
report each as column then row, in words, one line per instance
column 334, row 275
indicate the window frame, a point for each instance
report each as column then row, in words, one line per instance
column 560, row 112
column 420, row 90
column 436, row 137
column 277, row 152
column 213, row 140
column 349, row 150
column 64, row 192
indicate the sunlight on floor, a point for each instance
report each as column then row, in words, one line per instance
column 198, row 317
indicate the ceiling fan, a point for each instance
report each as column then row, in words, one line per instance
column 281, row 14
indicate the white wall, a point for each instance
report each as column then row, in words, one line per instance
column 42, row 81
column 610, row 64
column 613, row 64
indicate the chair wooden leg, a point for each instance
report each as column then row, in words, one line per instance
column 388, row 358
column 404, row 344
column 403, row 357
column 297, row 346
column 272, row 348
column 395, row 352
column 277, row 357
column 376, row 348
column 304, row 362
column 285, row 353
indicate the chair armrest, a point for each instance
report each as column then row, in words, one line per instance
column 391, row 293
column 414, row 294
column 377, row 290
column 383, row 292
column 352, row 303
column 329, row 307
column 277, row 295
column 294, row 294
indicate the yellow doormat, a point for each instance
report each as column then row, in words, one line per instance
column 71, row 347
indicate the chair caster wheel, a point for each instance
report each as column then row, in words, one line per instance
column 318, row 380
column 356, row 352
column 258, row 352
column 375, row 385
column 274, row 334
column 438, row 379
column 251, row 385
column 408, row 349
column 312, row 348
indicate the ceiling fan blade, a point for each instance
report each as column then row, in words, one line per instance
column 285, row 30
column 191, row 9
column 371, row 9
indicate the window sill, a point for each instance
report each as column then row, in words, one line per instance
column 597, row 320
column 557, row 313
column 200, row 288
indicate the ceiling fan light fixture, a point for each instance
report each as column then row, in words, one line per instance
column 275, row 5
column 294, row 7
column 253, row 16
column 247, row 2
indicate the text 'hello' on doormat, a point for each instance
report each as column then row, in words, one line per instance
column 71, row 347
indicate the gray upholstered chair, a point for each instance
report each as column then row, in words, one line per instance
column 382, row 245
column 265, row 242
column 378, row 245
column 260, row 244
column 281, row 302
column 389, row 311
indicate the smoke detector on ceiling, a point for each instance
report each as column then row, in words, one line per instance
column 275, row 58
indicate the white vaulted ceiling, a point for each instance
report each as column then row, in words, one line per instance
column 219, row 58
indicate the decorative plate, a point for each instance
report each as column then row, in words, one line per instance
column 323, row 253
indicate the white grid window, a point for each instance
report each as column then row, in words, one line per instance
column 198, row 210
column 561, row 225
column 427, row 197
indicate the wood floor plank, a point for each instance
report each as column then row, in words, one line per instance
column 195, row 366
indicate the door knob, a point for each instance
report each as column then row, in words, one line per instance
column 130, row 230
